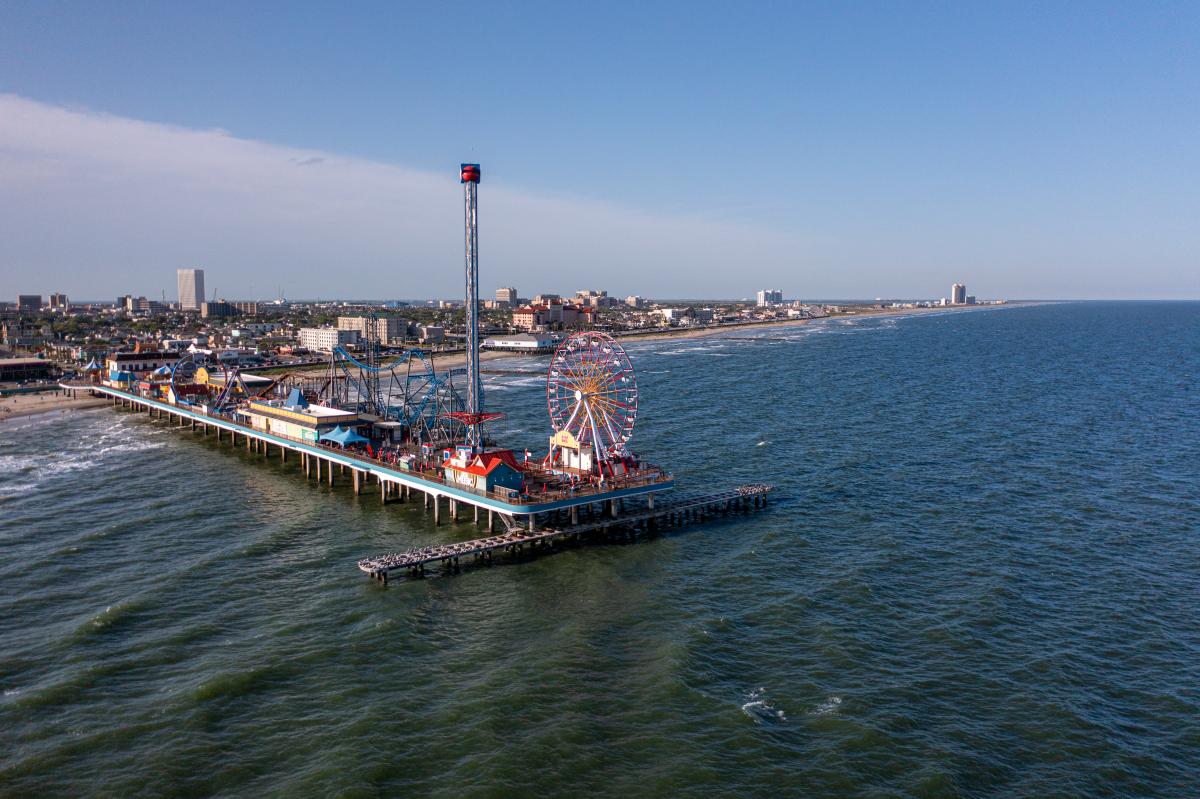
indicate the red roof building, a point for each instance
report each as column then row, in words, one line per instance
column 487, row 471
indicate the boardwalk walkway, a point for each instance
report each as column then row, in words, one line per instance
column 676, row 511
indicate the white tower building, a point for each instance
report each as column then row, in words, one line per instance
column 191, row 288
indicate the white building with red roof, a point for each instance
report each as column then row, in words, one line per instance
column 486, row 471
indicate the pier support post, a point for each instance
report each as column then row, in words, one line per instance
column 650, row 500
column 356, row 487
column 491, row 521
column 453, row 510
column 318, row 461
column 436, row 509
column 574, row 514
column 330, row 472
column 382, row 492
column 283, row 454
column 533, row 522
column 476, row 515
column 612, row 508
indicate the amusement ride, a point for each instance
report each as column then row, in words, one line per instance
column 591, row 393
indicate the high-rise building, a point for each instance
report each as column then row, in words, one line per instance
column 326, row 338
column 594, row 299
column 216, row 310
column 958, row 294
column 389, row 330
column 58, row 302
column 768, row 297
column 191, row 288
column 141, row 305
column 29, row 302
column 506, row 297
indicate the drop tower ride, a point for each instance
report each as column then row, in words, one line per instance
column 473, row 415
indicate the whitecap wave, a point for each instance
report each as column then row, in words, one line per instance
column 830, row 705
column 759, row 708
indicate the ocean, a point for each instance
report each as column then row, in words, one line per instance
column 979, row 576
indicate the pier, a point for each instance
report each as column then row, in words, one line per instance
column 395, row 484
column 518, row 542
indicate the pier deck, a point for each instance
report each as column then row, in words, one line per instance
column 393, row 481
column 676, row 511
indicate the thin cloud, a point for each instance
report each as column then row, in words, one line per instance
column 96, row 205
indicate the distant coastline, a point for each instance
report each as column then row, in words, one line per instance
column 24, row 405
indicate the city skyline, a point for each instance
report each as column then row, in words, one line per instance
column 882, row 153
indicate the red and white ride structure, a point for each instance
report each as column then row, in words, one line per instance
column 592, row 395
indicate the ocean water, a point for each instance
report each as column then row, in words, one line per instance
column 980, row 576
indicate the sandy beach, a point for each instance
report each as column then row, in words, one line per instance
column 19, row 405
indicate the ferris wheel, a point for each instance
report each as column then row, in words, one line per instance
column 592, row 393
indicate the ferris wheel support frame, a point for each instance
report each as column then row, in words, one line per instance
column 591, row 393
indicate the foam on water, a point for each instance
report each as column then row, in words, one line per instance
column 830, row 705
column 759, row 708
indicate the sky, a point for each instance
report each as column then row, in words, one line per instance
column 1030, row 150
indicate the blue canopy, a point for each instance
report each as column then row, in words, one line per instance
column 92, row 366
column 343, row 435
column 163, row 370
column 296, row 399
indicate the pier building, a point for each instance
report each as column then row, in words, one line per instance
column 294, row 417
column 491, row 471
column 125, row 367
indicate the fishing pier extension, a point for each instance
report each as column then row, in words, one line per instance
column 675, row 512
column 408, row 427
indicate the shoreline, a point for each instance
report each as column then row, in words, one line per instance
column 19, row 406
column 459, row 359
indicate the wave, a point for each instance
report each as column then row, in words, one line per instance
column 113, row 617
column 234, row 684
column 760, row 709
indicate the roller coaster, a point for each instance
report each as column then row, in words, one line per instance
column 407, row 390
